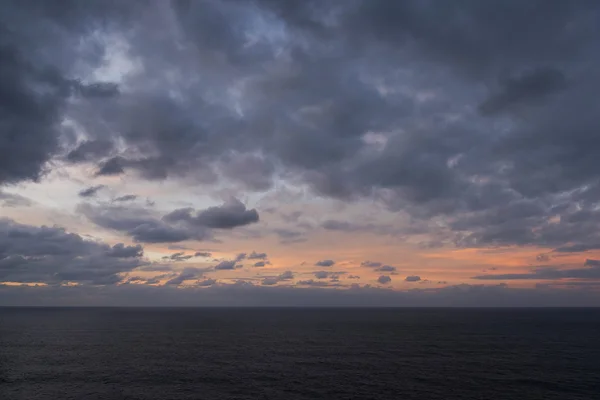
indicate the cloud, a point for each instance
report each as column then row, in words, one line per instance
column 530, row 86
column 146, row 227
column 186, row 274
column 230, row 215
column 590, row 271
column 52, row 255
column 370, row 264
column 386, row 268
column 260, row 264
column 226, row 265
column 91, row 191
column 412, row 278
column 180, row 256
column 321, row 274
column 325, row 263
column 204, row 254
column 485, row 139
column 14, row 200
column 313, row 283
column 384, row 279
column 127, row 197
column 257, row 256
column 273, row 280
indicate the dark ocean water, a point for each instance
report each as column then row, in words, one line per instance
column 299, row 354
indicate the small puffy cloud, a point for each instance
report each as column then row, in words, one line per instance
column 384, row 279
column 259, row 264
column 273, row 280
column 370, row 264
column 257, row 256
column 325, row 263
column 321, row 274
column 386, row 268
column 412, row 278
column 204, row 254
column 226, row 265
column 91, row 191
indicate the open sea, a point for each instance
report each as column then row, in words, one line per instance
column 172, row 354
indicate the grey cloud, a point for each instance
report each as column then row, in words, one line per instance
column 325, row 263
column 384, row 279
column 180, row 256
column 313, row 283
column 139, row 223
column 257, row 256
column 203, row 254
column 91, row 191
column 231, row 214
column 297, row 106
column 527, row 87
column 273, row 280
column 14, row 200
column 127, row 197
column 386, row 268
column 227, row 264
column 260, row 264
column 122, row 251
column 321, row 274
column 370, row 264
column 206, row 282
column 112, row 166
column 185, row 275
column 52, row 255
column 412, row 278
column 90, row 150
column 590, row 271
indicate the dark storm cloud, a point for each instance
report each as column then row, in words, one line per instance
column 528, row 87
column 52, row 255
column 412, row 278
column 590, row 271
column 40, row 45
column 482, row 110
column 325, row 263
column 90, row 150
column 91, row 191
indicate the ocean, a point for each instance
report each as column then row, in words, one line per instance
column 288, row 353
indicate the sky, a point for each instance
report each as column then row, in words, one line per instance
column 290, row 153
